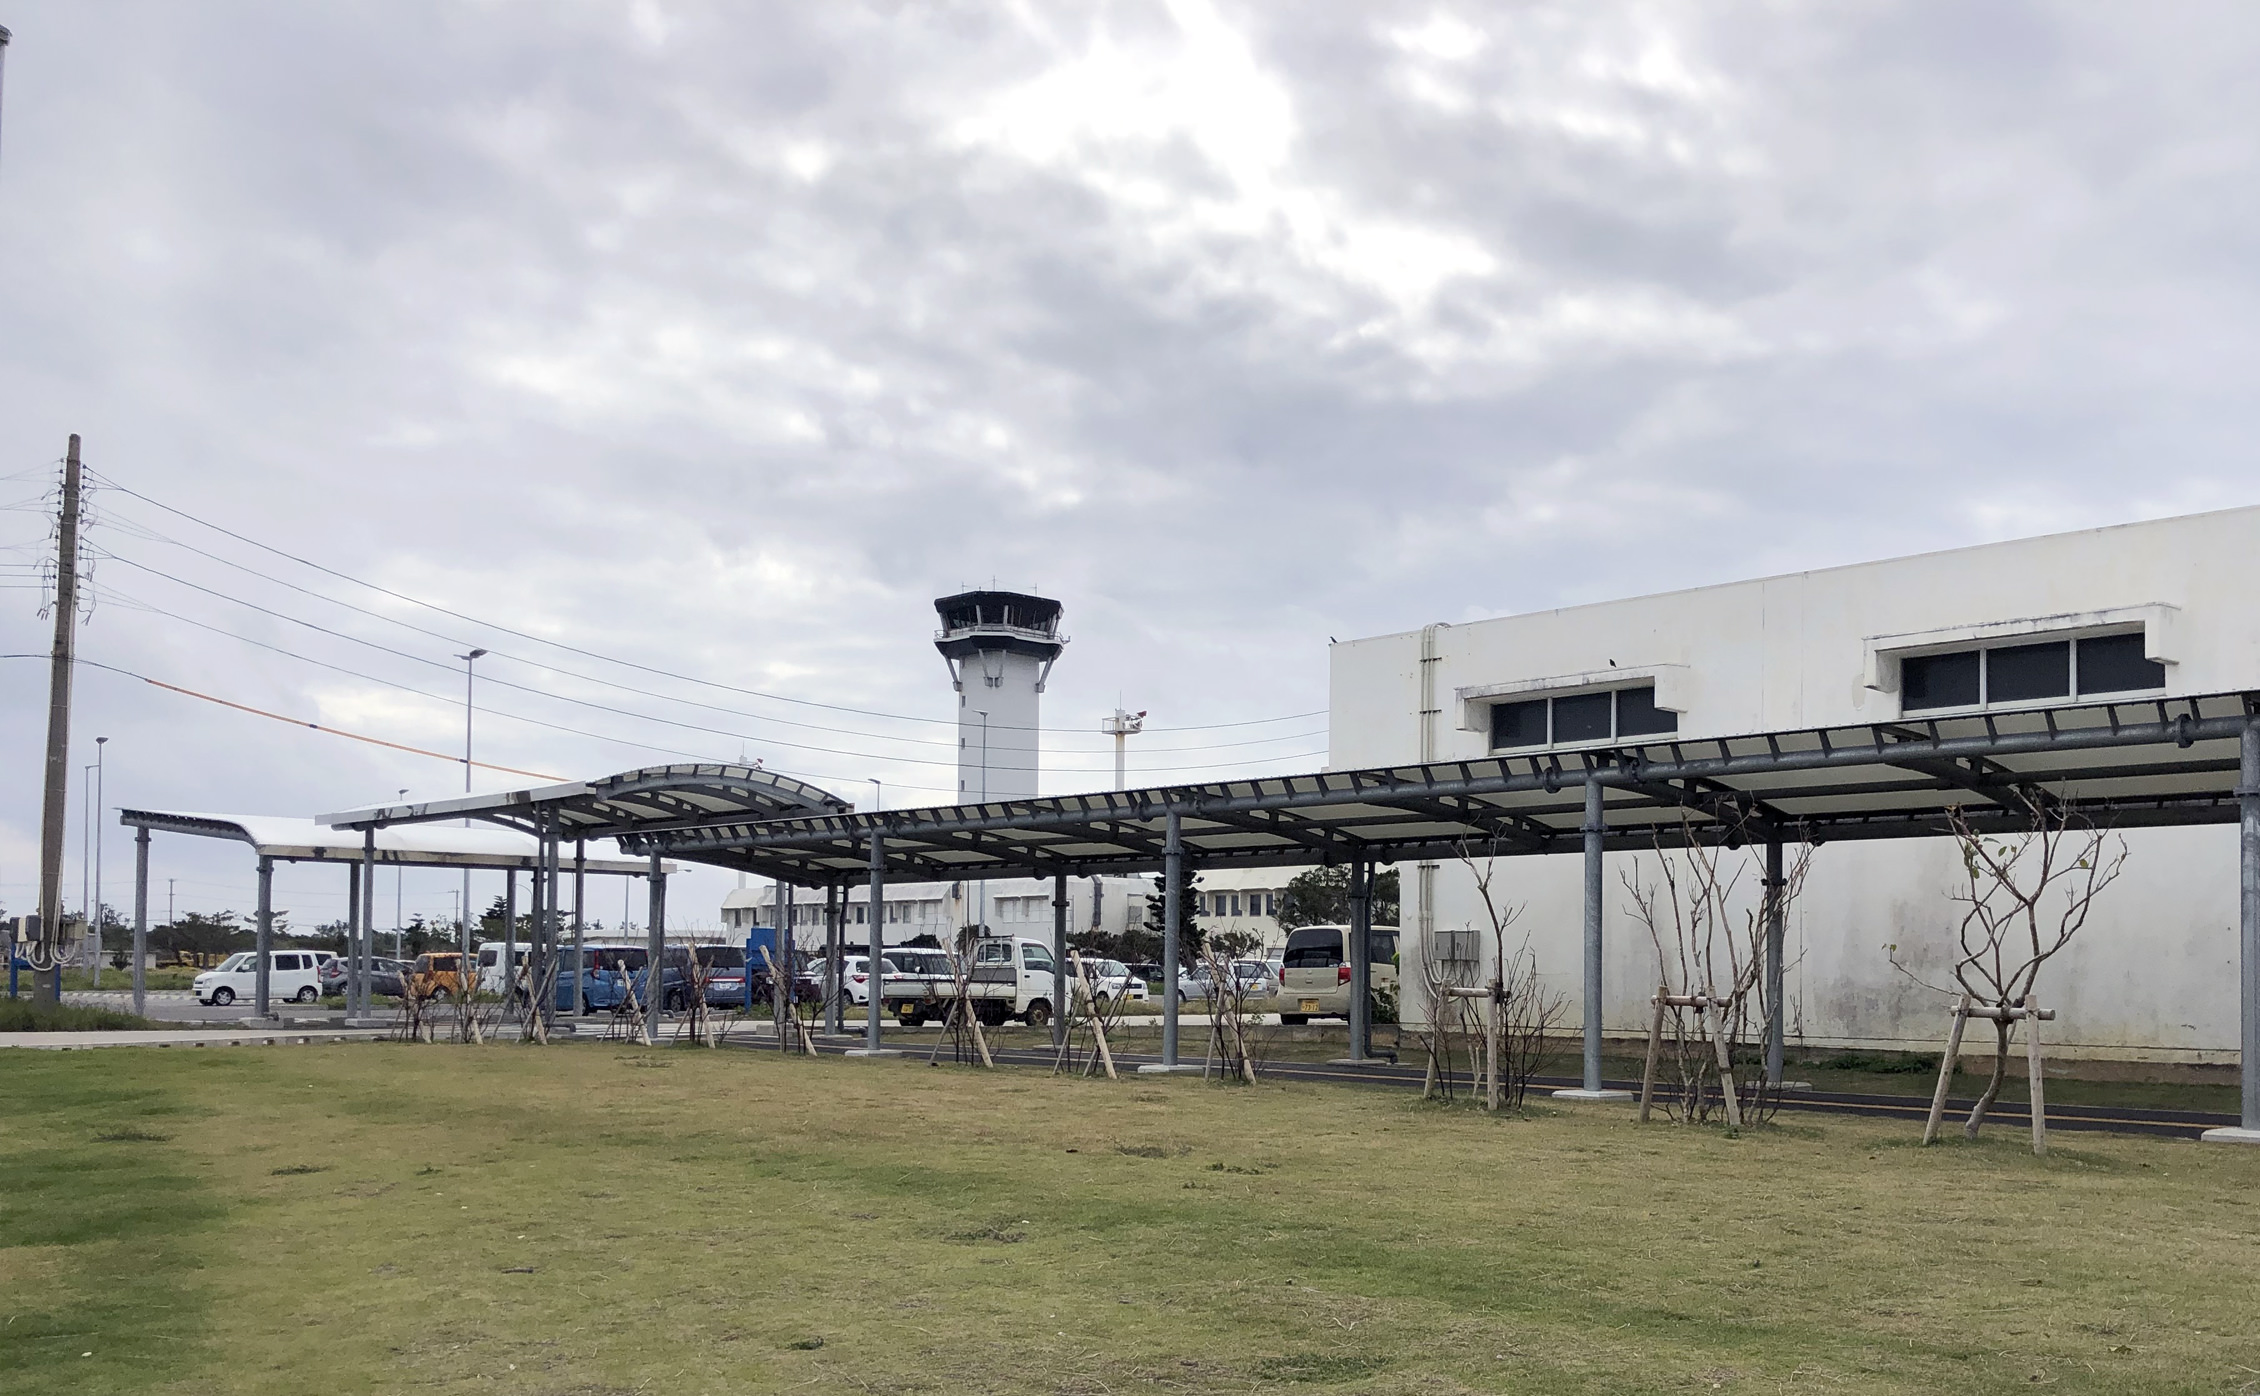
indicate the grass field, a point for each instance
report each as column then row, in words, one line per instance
column 595, row 1219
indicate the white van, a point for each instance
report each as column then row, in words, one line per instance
column 294, row 975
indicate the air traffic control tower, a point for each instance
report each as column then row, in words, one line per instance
column 1000, row 646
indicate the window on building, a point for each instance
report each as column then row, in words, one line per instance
column 1235, row 904
column 1580, row 717
column 1271, row 903
column 2091, row 666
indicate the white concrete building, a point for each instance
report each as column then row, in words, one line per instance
column 2135, row 612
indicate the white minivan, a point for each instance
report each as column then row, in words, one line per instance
column 291, row 974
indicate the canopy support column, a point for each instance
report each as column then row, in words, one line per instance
column 353, row 910
column 1060, row 1000
column 580, row 922
column 1172, row 938
column 2248, row 917
column 655, row 950
column 265, row 942
column 1774, row 892
column 1361, row 959
column 833, row 947
column 872, row 974
column 1596, row 829
column 781, row 976
column 510, row 942
column 140, row 921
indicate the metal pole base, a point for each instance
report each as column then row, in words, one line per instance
column 2232, row 1134
column 1580, row 1093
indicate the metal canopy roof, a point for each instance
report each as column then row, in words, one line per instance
column 307, row 841
column 650, row 800
column 2160, row 762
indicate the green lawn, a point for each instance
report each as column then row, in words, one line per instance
column 596, row 1218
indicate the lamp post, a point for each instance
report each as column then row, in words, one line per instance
column 100, row 744
column 463, row 914
column 399, row 871
column 878, row 793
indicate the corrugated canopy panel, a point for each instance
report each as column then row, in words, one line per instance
column 655, row 798
column 2124, row 764
column 309, row 841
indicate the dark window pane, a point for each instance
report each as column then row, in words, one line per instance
column 1638, row 715
column 1939, row 681
column 2114, row 664
column 2014, row 673
column 1518, row 724
column 1584, row 718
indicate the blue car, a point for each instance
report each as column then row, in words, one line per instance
column 616, row 970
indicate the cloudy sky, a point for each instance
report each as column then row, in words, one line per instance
column 682, row 353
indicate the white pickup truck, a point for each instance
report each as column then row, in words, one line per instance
column 1010, row 977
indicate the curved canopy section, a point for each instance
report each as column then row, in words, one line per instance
column 647, row 801
column 288, row 840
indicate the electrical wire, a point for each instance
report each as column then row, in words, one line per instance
column 113, row 556
column 109, row 483
column 119, row 597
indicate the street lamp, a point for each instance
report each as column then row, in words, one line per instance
column 878, row 793
column 100, row 744
column 463, row 916
column 398, row 872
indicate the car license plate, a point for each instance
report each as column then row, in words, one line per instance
column 1310, row 1005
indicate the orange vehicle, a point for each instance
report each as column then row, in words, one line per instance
column 438, row 975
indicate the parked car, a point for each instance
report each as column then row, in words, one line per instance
column 294, row 975
column 1315, row 973
column 1111, row 980
column 1253, row 981
column 726, row 972
column 1147, row 973
column 437, row 974
column 386, row 976
column 1010, row 977
column 616, row 969
column 919, row 983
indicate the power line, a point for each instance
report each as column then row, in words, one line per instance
column 133, row 601
column 121, row 558
column 109, row 483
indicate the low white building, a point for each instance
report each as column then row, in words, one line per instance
column 1013, row 906
column 1244, row 900
column 2137, row 612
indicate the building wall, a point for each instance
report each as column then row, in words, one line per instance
column 998, row 755
column 2154, row 972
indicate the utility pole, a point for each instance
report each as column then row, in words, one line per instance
column 54, row 808
column 1120, row 727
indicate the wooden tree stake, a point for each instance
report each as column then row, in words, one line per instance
column 1946, row 1061
column 1655, row 1050
column 2033, row 1067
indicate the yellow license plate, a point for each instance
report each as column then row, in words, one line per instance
column 1310, row 1005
